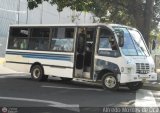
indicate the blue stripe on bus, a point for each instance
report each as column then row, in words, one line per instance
column 22, row 53
column 42, row 55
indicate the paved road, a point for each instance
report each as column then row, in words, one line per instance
column 21, row 91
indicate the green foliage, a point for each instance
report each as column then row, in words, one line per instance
column 33, row 3
column 120, row 11
column 116, row 11
column 79, row 5
column 155, row 34
column 128, row 12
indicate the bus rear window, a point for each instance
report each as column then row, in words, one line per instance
column 18, row 38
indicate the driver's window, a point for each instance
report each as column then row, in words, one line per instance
column 107, row 43
column 104, row 43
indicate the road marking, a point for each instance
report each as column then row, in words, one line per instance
column 74, row 107
column 12, row 75
column 145, row 98
column 72, row 88
column 2, row 77
column 154, row 82
column 157, row 97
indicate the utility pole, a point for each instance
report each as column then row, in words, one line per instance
column 148, row 15
column 85, row 17
column 27, row 16
column 18, row 9
column 59, row 17
column 41, row 18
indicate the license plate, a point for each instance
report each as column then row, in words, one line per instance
column 144, row 79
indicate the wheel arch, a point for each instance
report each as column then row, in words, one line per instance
column 36, row 63
column 102, row 72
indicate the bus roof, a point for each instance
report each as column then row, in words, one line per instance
column 70, row 25
column 120, row 25
column 46, row 25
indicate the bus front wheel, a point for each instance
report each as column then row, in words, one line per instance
column 109, row 81
column 134, row 85
column 37, row 73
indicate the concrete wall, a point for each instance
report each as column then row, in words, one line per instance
column 44, row 14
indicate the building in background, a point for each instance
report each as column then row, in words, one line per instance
column 16, row 12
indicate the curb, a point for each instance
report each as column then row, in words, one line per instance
column 152, row 86
column 10, row 74
column 16, row 73
column 2, row 61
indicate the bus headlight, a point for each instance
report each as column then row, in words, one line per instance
column 126, row 69
column 129, row 70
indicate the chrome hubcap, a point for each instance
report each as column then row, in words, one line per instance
column 36, row 73
column 110, row 81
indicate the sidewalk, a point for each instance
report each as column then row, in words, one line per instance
column 6, row 71
column 2, row 60
column 153, row 85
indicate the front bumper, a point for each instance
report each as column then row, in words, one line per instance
column 125, row 78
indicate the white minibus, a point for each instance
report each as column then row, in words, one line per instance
column 112, row 54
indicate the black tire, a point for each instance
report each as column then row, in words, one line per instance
column 45, row 77
column 134, row 85
column 66, row 79
column 37, row 73
column 106, row 82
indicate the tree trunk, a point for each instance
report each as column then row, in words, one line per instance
column 148, row 14
column 135, row 8
column 143, row 18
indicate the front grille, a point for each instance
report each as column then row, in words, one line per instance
column 142, row 68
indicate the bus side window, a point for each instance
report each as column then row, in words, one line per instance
column 107, row 43
column 15, row 44
column 18, row 38
column 112, row 42
column 62, row 39
column 39, row 39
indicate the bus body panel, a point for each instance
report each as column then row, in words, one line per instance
column 17, row 62
column 62, row 64
column 57, row 64
column 124, row 63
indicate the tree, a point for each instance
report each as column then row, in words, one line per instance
column 79, row 5
column 142, row 14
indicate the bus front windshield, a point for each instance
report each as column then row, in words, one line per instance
column 133, row 43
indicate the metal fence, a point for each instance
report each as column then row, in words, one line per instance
column 11, row 13
column 3, row 41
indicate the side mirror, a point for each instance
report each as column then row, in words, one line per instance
column 120, row 35
column 81, row 43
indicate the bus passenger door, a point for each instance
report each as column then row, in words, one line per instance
column 84, row 53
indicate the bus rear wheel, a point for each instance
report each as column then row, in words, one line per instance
column 37, row 73
column 134, row 85
column 109, row 81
